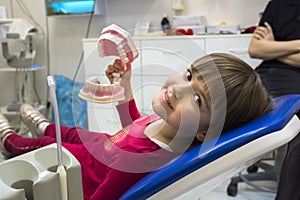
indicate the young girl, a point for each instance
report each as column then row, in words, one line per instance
column 215, row 94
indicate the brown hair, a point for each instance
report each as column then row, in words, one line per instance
column 231, row 82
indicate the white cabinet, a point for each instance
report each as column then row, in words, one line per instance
column 103, row 118
column 165, row 56
column 235, row 45
column 159, row 58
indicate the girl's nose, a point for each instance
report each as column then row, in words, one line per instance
column 180, row 90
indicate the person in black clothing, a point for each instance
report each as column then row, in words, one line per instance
column 277, row 42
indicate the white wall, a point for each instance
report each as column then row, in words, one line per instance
column 128, row 12
column 65, row 32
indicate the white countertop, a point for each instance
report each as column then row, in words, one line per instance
column 179, row 37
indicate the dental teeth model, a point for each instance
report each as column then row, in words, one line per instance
column 101, row 93
column 113, row 41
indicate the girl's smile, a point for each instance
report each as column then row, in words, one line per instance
column 165, row 97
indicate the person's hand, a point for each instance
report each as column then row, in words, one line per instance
column 264, row 32
column 124, row 70
column 119, row 70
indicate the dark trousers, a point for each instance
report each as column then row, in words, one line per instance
column 282, row 82
column 289, row 181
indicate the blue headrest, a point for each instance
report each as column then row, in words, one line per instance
column 285, row 109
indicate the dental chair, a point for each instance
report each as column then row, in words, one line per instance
column 190, row 176
column 198, row 171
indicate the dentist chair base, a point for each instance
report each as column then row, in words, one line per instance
column 203, row 168
column 269, row 172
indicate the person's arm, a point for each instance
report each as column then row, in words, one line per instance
column 292, row 60
column 128, row 112
column 127, row 108
column 268, row 50
column 263, row 45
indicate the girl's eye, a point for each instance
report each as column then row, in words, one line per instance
column 197, row 100
column 188, row 75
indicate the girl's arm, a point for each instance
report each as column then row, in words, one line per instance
column 127, row 108
column 128, row 112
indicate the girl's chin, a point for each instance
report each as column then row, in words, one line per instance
column 160, row 111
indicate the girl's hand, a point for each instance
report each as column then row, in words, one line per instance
column 124, row 70
column 118, row 68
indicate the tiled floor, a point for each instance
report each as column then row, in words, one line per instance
column 245, row 192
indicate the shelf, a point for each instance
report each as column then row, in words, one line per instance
column 4, row 21
column 4, row 111
column 22, row 69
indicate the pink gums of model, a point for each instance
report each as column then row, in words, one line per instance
column 113, row 41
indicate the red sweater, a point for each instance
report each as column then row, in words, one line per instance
column 112, row 164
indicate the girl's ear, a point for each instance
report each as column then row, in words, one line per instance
column 201, row 136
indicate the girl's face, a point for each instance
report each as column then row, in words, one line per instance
column 183, row 102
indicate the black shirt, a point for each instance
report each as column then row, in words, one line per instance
column 284, row 18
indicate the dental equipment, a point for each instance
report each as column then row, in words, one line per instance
column 33, row 176
column 22, row 30
column 60, row 169
column 20, row 34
